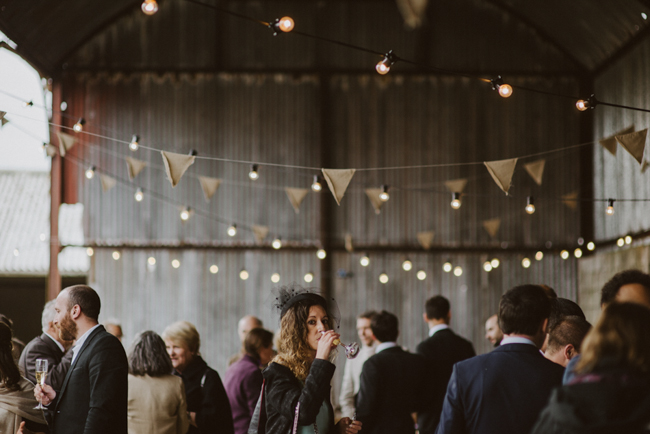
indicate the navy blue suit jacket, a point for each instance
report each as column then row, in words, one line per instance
column 500, row 392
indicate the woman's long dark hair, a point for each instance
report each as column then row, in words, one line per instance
column 148, row 356
column 9, row 373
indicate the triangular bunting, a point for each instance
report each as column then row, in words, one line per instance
column 570, row 200
column 209, row 186
column 644, row 165
column 338, row 181
column 536, row 170
column 260, row 232
column 3, row 121
column 296, row 195
column 492, row 226
column 373, row 195
column 134, row 167
column 425, row 239
column 456, row 185
column 348, row 243
column 66, row 142
column 501, row 171
column 107, row 182
column 609, row 143
column 634, row 143
column 176, row 165
column 49, row 149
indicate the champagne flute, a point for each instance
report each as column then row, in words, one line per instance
column 351, row 350
column 41, row 374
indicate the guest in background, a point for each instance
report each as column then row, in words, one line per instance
column 352, row 371
column 245, row 324
column 114, row 327
column 565, row 339
column 18, row 345
column 560, row 309
column 49, row 346
column 493, row 332
column 207, row 402
column 243, row 379
column 611, row 390
column 156, row 397
column 16, row 393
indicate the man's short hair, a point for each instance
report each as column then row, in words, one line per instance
column 367, row 314
column 627, row 277
column 48, row 314
column 561, row 308
column 86, row 298
column 385, row 326
column 570, row 330
column 437, row 307
column 550, row 292
column 522, row 310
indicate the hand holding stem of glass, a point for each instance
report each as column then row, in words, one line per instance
column 41, row 374
column 351, row 350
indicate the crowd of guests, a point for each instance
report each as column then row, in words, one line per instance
column 550, row 371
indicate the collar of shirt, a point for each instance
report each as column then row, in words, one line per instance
column 517, row 340
column 437, row 328
column 384, row 346
column 80, row 343
column 58, row 344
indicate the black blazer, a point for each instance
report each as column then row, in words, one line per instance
column 499, row 392
column 442, row 350
column 93, row 397
column 43, row 347
column 392, row 387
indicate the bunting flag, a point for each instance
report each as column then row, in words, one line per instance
column 260, row 233
column 296, row 195
column 209, row 186
column 634, row 143
column 338, row 181
column 66, row 142
column 536, row 170
column 348, row 243
column 492, row 226
column 609, row 143
column 501, row 171
column 373, row 195
column 49, row 149
column 426, row 239
column 107, row 182
column 3, row 121
column 456, row 185
column 176, row 165
column 644, row 165
column 570, row 200
column 134, row 167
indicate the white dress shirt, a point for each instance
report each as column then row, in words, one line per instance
column 437, row 328
column 517, row 340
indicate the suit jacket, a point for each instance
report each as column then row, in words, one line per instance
column 499, row 392
column 93, row 397
column 157, row 405
column 43, row 347
column 442, row 350
column 392, row 387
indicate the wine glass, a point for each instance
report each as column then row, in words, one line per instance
column 351, row 350
column 41, row 374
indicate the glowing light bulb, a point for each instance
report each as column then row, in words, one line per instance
column 176, row 263
column 277, row 243
column 116, row 255
column 421, row 275
column 644, row 15
column 525, row 262
column 243, row 275
column 139, row 195
column 447, row 267
column 407, row 265
column 90, row 251
column 383, row 278
column 275, row 277
column 365, row 260
column 505, row 90
column 628, row 239
column 487, row 266
column 42, row 237
column 149, row 7
column 16, row 252
column 321, row 254
column 591, row 246
column 495, row 263
column 286, row 24
column 185, row 214
column 214, row 269
column 253, row 175
column 134, row 143
column 151, row 260
column 577, row 253
column 309, row 277
column 539, row 256
column 384, row 196
column 455, row 201
column 79, row 126
column 610, row 207
column 383, row 67
column 316, row 185
column 620, row 242
column 29, row 103
column 232, row 230
column 90, row 173
column 458, row 271
column 530, row 206
column 582, row 105
column 564, row 254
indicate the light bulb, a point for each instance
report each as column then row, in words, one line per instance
column 214, row 269
column 628, row 239
column 90, row 251
column 455, row 201
column 610, row 207
column 383, row 67
column 564, row 254
column 487, row 266
column 79, row 126
column 577, row 253
column 321, row 254
column 407, row 265
column 525, row 262
column 286, row 24
column 316, row 185
column 620, row 242
column 253, row 173
column 149, row 7
column 447, row 267
column 458, row 271
column 539, row 255
column 582, row 105
column 275, row 277
column 309, row 277
column 591, row 246
column 116, row 255
column 16, row 252
column 151, row 261
column 176, row 263
column 243, row 275
column 644, row 15
column 530, row 206
column 134, row 143
column 139, row 195
column 232, row 230
column 505, row 90
column 383, row 278
column 90, row 173
column 495, row 263
column 29, row 103
column 42, row 237
column 384, row 196
column 365, row 260
column 277, row 243
column 185, row 214
column 421, row 275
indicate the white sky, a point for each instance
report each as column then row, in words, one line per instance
column 22, row 138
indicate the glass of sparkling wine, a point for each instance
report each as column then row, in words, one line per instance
column 41, row 374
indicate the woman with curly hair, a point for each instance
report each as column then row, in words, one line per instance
column 298, row 379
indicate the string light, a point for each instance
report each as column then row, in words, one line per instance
column 505, row 90
column 384, row 196
column 232, row 230
column 42, row 237
column 525, row 262
column 149, row 7
column 589, row 103
column 176, row 263
column 316, row 185
column 455, row 200
column 277, row 243
column 29, row 103
column 309, row 277
column 539, row 255
column 139, row 195
column 134, row 143
column 321, row 254
column 487, row 266
column 447, row 267
column 620, row 242
column 421, row 275
column 79, row 126
column 564, row 254
column 90, row 251
column 243, row 275
column 577, row 253
column 275, row 277
column 383, row 67
column 644, row 15
column 90, row 173
column 591, row 246
column 284, row 24
column 407, row 265
column 16, row 252
column 214, row 269
column 495, row 263
column 530, row 206
column 458, row 271
column 383, row 278
column 151, row 261
column 185, row 213
column 253, row 173
column 365, row 260
column 628, row 239
column 116, row 255
column 610, row 207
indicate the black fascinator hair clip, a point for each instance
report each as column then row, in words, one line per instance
column 287, row 296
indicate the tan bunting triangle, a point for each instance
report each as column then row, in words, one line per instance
column 373, row 195
column 570, row 200
column 456, row 185
column 610, row 143
column 501, row 171
column 296, row 196
column 492, row 226
column 3, row 121
column 107, row 182
column 176, row 165
column 338, row 181
column 66, row 142
column 536, row 170
column 348, row 243
column 426, row 239
column 634, row 143
column 260, row 232
column 49, row 149
column 644, row 165
column 209, row 186
column 134, row 167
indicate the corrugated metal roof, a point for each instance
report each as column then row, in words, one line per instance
column 25, row 227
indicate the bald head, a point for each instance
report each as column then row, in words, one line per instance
column 246, row 324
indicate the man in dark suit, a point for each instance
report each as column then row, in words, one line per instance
column 48, row 346
column 442, row 350
column 93, row 397
column 392, row 382
column 505, row 390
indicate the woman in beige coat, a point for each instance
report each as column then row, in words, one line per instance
column 156, row 398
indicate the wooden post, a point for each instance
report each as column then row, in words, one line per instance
column 54, row 277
